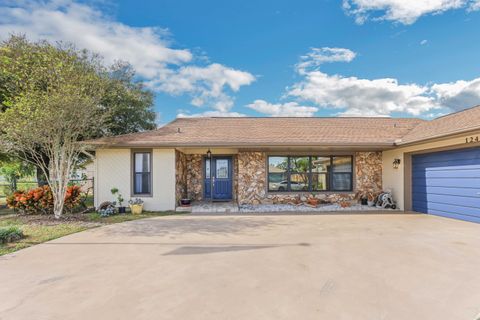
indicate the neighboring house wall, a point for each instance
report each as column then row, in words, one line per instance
column 399, row 180
column 252, row 180
column 114, row 169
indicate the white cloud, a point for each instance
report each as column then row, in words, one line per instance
column 403, row 11
column 423, row 42
column 148, row 49
column 318, row 56
column 458, row 95
column 474, row 6
column 354, row 96
column 205, row 83
column 362, row 97
column 289, row 109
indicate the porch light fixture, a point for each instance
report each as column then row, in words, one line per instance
column 209, row 154
column 396, row 163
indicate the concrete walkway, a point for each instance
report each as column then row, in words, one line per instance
column 331, row 267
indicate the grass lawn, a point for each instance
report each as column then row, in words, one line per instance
column 41, row 228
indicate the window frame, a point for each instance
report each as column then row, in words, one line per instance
column 329, row 174
column 134, row 173
column 286, row 172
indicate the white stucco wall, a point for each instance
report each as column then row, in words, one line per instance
column 113, row 167
column 394, row 179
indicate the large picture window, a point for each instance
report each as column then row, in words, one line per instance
column 310, row 173
column 142, row 184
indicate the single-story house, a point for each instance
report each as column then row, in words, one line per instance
column 429, row 166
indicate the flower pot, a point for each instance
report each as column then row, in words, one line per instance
column 370, row 203
column 344, row 204
column 136, row 208
column 122, row 209
column 185, row 202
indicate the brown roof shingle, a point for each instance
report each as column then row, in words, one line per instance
column 270, row 132
column 255, row 132
column 457, row 122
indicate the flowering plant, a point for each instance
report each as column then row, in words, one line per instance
column 40, row 200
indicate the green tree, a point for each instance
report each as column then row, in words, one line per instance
column 126, row 105
column 14, row 170
column 58, row 105
column 129, row 103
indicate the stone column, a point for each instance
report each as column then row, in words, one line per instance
column 251, row 177
column 368, row 172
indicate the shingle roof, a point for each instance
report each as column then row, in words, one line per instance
column 457, row 122
column 308, row 132
column 270, row 132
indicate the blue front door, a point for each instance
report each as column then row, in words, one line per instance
column 218, row 178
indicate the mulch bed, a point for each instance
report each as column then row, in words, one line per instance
column 50, row 220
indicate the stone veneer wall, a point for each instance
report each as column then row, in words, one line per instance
column 180, row 174
column 251, row 176
column 189, row 173
column 252, row 180
column 368, row 172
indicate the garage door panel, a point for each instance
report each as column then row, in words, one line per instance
column 421, row 183
column 465, row 154
column 425, row 198
column 455, row 191
column 447, row 165
column 447, row 184
column 450, row 173
column 431, row 206
column 455, row 216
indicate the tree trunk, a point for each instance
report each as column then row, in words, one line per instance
column 58, row 206
column 41, row 179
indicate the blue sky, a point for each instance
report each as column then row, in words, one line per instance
column 278, row 58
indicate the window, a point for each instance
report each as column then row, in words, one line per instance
column 207, row 168
column 277, row 173
column 299, row 173
column 342, row 173
column 320, row 169
column 142, row 176
column 310, row 173
column 221, row 169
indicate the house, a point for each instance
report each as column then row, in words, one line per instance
column 430, row 166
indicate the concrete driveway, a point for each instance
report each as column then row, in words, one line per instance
column 251, row 267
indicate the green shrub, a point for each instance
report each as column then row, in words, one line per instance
column 10, row 234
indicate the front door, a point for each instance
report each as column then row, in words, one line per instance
column 218, row 178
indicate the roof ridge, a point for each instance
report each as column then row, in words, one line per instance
column 331, row 117
column 456, row 112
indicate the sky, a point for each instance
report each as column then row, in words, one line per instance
column 399, row 58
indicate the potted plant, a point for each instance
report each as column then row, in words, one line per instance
column 370, row 199
column 344, row 204
column 364, row 199
column 312, row 200
column 115, row 192
column 186, row 200
column 136, row 206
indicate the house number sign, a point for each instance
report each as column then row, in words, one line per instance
column 474, row 139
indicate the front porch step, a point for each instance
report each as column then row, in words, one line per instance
column 215, row 207
column 183, row 209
